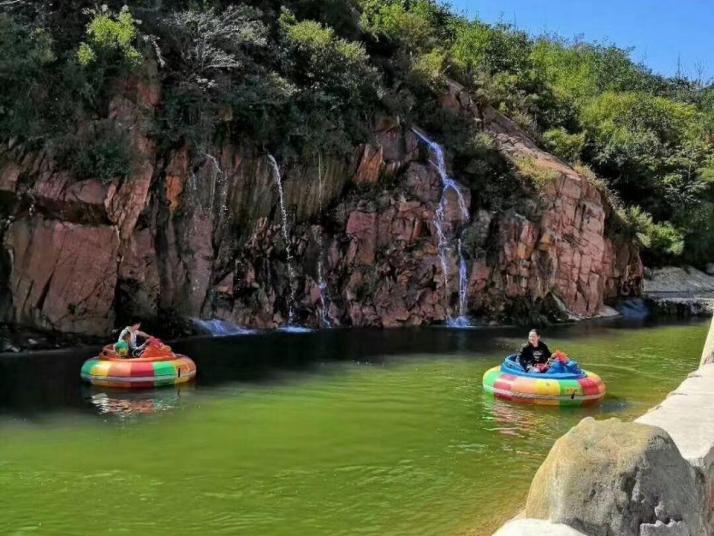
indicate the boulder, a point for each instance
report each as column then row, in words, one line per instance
column 610, row 477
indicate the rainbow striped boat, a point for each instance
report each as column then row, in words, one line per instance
column 560, row 386
column 157, row 366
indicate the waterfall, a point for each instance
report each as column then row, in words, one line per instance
column 286, row 237
column 462, row 320
column 445, row 247
column 322, row 284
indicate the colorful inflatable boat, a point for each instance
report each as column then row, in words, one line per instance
column 156, row 367
column 563, row 384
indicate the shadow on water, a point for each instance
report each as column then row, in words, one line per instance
column 41, row 382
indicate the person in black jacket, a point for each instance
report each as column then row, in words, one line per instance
column 535, row 352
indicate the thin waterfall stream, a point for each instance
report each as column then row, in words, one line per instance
column 322, row 284
column 445, row 246
column 286, row 237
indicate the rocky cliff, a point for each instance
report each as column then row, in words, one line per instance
column 199, row 234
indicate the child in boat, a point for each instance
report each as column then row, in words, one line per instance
column 128, row 336
column 121, row 347
column 534, row 353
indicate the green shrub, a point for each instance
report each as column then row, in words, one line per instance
column 662, row 239
column 24, row 55
column 563, row 144
column 111, row 38
column 540, row 175
column 412, row 23
column 103, row 152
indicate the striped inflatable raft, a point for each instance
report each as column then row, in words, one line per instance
column 157, row 366
column 562, row 385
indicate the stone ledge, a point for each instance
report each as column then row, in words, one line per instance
column 535, row 527
column 681, row 416
column 708, row 351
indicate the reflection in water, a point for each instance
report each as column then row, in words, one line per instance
column 511, row 419
column 124, row 404
column 527, row 421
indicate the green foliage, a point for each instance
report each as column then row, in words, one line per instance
column 662, row 239
column 24, row 53
column 563, row 144
column 334, row 84
column 110, row 36
column 491, row 49
column 102, row 151
column 326, row 62
column 653, row 149
column 216, row 79
column 213, row 44
column 429, row 69
column 582, row 70
column 699, row 237
column 420, row 24
column 540, row 175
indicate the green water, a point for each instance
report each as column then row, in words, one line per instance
column 404, row 445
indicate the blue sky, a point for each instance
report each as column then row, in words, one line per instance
column 659, row 30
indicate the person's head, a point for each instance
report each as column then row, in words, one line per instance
column 534, row 337
column 125, row 336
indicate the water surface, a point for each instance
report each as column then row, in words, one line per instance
column 328, row 433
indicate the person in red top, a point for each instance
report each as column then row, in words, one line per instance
column 536, row 352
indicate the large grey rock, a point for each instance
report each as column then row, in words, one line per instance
column 709, row 268
column 609, row 478
column 535, row 527
column 673, row 528
column 675, row 279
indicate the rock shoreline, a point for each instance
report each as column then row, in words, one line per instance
column 679, row 291
column 650, row 477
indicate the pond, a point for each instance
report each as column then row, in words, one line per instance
column 337, row 432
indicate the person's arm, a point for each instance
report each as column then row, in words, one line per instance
column 546, row 351
column 525, row 356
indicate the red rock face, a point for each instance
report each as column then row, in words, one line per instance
column 63, row 275
column 194, row 234
column 370, row 165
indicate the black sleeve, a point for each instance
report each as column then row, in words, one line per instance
column 525, row 356
column 546, row 351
